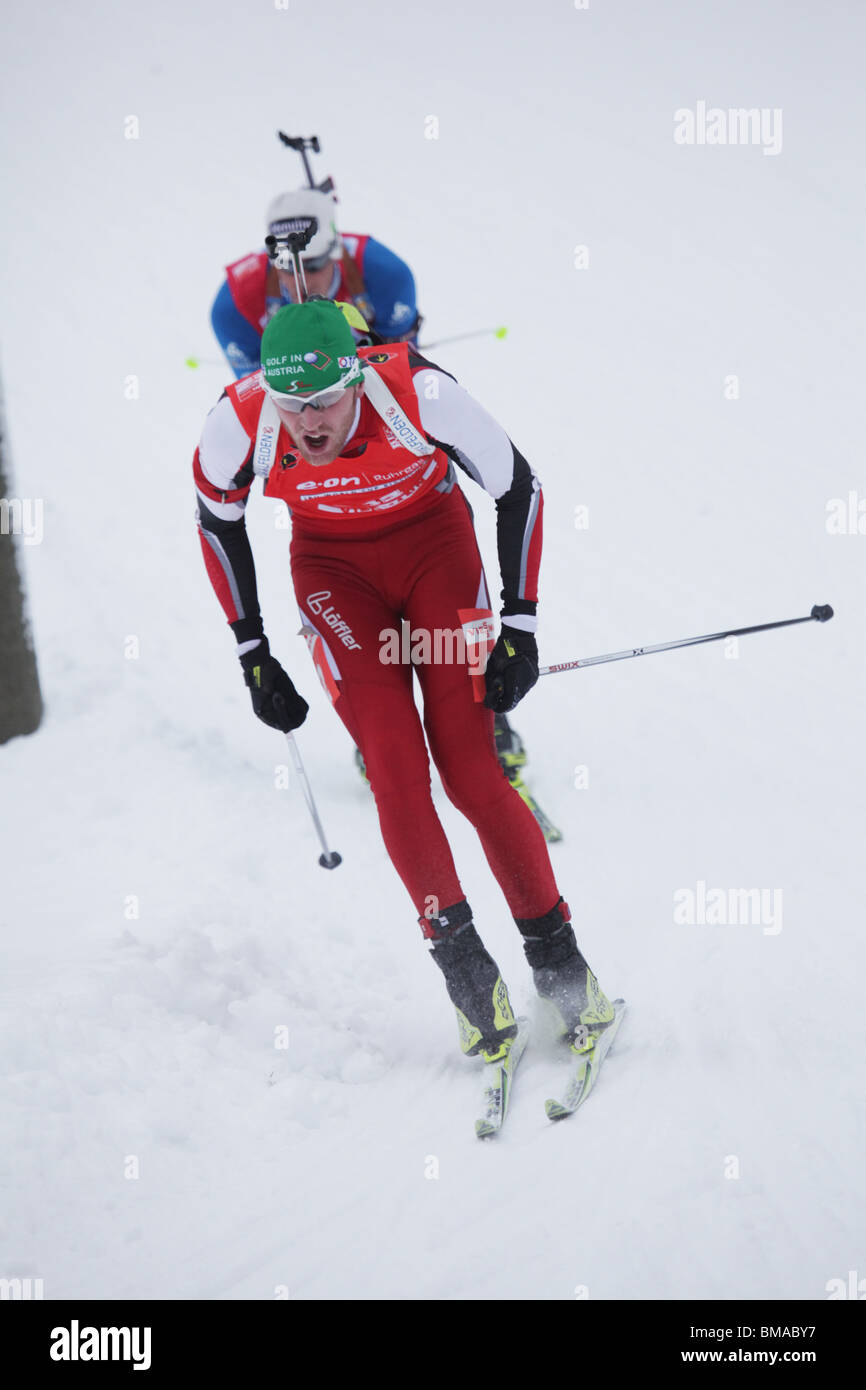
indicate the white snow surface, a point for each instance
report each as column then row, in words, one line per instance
column 145, row 1044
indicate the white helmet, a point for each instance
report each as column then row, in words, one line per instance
column 292, row 212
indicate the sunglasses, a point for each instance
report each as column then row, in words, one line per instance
column 316, row 400
column 313, row 263
column 281, row 257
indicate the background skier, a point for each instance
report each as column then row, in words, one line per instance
column 349, row 267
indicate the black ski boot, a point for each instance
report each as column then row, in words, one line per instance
column 580, row 1008
column 485, row 1018
column 509, row 748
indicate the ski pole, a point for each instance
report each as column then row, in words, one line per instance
column 821, row 613
column 193, row 362
column 457, row 337
column 329, row 859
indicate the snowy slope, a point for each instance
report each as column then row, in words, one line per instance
column 163, row 913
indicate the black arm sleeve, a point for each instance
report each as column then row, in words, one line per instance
column 230, row 565
column 516, row 518
column 480, row 447
column 516, row 512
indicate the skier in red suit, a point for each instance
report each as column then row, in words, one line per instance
column 364, row 445
column 350, row 268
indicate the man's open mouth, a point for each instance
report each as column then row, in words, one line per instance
column 315, row 442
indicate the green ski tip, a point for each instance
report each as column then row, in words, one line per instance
column 554, row 1110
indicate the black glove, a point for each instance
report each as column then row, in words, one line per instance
column 275, row 700
column 512, row 669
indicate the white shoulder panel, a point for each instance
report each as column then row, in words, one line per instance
column 450, row 414
column 224, row 445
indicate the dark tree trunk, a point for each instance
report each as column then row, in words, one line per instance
column 20, row 697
